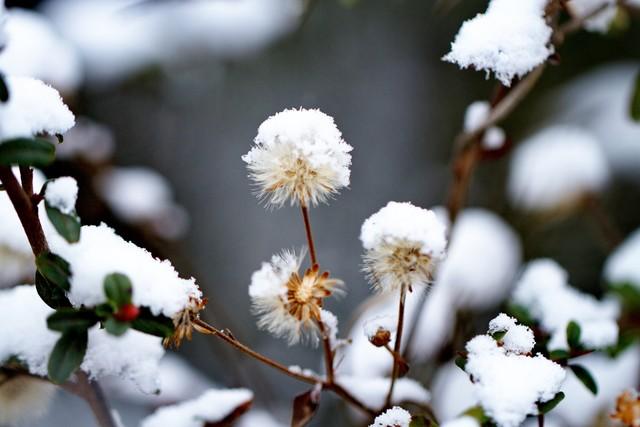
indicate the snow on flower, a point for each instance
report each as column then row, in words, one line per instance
column 402, row 243
column 101, row 251
column 35, row 49
column 556, row 167
column 23, row 326
column 507, row 383
column 372, row 391
column 601, row 21
column 517, row 339
column 290, row 305
column 62, row 193
column 212, row 407
column 510, row 39
column 299, row 156
column 33, row 108
column 545, row 292
column 474, row 117
column 379, row 329
column 394, row 417
column 622, row 266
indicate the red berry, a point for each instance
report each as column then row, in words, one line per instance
column 127, row 313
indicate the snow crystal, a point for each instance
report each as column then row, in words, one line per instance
column 101, row 251
column 62, row 193
column 35, row 49
column 465, row 421
column 394, row 417
column 33, row 108
column 213, row 406
column 510, row 39
column 299, row 156
column 622, row 266
column 385, row 323
column 373, row 391
column 544, row 290
column 556, row 166
column 601, row 21
column 507, row 384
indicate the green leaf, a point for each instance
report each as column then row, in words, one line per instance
column 65, row 319
column 628, row 293
column 160, row 326
column 573, row 335
column 115, row 327
column 585, row 377
column 421, row 421
column 499, row 335
column 27, row 152
column 4, row 90
column 478, row 413
column 67, row 225
column 67, row 355
column 55, row 269
column 118, row 289
column 461, row 362
column 559, row 355
column 635, row 100
column 521, row 314
column 547, row 406
column 51, row 294
column 104, row 310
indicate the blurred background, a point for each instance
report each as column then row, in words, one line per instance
column 170, row 98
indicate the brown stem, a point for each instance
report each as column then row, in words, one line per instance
column 610, row 233
column 307, row 228
column 27, row 212
column 540, row 420
column 207, row 329
column 26, row 177
column 396, row 346
column 91, row 392
column 328, row 352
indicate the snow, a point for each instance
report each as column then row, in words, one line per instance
column 475, row 116
column 372, row 391
column 517, row 338
column 299, row 156
column 331, row 323
column 393, row 417
column 602, row 20
column 213, row 406
column 482, row 260
column 622, row 266
column 501, row 323
column 258, row 417
column 23, row 326
column 508, row 384
column 33, row 108
column 379, row 323
column 465, row 421
column 453, row 393
column 101, row 251
column 556, row 166
column 36, row 49
column 62, row 193
column 494, row 138
column 544, row 290
column 510, row 39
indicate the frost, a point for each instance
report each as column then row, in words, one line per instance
column 62, row 193
column 543, row 289
column 33, row 108
column 510, row 39
column 556, row 167
column 212, row 407
column 394, row 417
column 101, row 251
column 622, row 266
column 373, row 391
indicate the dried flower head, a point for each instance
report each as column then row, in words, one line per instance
column 290, row 305
column 299, row 156
column 628, row 409
column 403, row 243
column 183, row 322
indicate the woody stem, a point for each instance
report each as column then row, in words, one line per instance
column 396, row 347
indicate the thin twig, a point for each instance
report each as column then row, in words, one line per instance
column 540, row 420
column 328, row 351
column 396, row 347
column 91, row 392
column 307, row 228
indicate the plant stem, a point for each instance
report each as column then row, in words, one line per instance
column 396, row 346
column 307, row 228
column 27, row 212
column 540, row 420
column 91, row 392
column 328, row 352
column 207, row 329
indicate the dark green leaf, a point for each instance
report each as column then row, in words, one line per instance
column 27, row 152
column 573, row 335
column 420, row 421
column 585, row 377
column 51, row 294
column 550, row 404
column 115, row 327
column 635, row 100
column 65, row 319
column 498, row 335
column 461, row 362
column 104, row 310
column 67, row 225
column 628, row 293
column 118, row 289
column 521, row 314
column 67, row 355
column 625, row 340
column 478, row 413
column 4, row 90
column 160, row 326
column 55, row 269
column 559, row 355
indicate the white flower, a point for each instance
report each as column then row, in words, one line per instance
column 511, row 38
column 555, row 168
column 299, row 156
column 402, row 245
column 394, row 417
column 290, row 305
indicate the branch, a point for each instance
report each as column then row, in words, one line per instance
column 396, row 347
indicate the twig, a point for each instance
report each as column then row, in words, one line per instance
column 540, row 420
column 91, row 392
column 307, row 228
column 396, row 346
